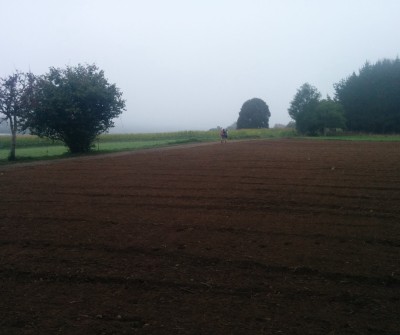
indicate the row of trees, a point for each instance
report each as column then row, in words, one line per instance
column 314, row 115
column 371, row 99
column 73, row 105
column 76, row 104
column 367, row 102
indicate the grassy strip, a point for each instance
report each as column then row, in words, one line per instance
column 34, row 148
column 361, row 137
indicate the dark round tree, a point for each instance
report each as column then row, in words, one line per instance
column 254, row 114
column 74, row 105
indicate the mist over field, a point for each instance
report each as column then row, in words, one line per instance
column 192, row 64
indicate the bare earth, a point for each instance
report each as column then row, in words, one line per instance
column 253, row 237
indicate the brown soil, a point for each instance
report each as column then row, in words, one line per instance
column 254, row 237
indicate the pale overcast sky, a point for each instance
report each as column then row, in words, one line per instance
column 191, row 64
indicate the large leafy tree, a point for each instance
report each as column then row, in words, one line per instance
column 16, row 92
column 254, row 114
column 371, row 99
column 315, row 120
column 74, row 105
column 306, row 97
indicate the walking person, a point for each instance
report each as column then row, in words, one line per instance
column 224, row 135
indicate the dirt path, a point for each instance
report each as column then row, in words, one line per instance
column 257, row 237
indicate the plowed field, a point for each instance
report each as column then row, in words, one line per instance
column 253, row 237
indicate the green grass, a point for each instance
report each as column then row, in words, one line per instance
column 365, row 137
column 34, row 148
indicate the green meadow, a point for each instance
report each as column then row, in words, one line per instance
column 35, row 148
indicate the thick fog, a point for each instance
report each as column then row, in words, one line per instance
column 191, row 64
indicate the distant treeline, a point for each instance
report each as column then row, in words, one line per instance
column 371, row 98
column 367, row 102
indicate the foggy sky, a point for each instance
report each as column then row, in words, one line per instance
column 191, row 64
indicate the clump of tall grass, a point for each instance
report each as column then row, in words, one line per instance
column 241, row 134
column 198, row 136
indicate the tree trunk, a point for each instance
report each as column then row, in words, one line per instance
column 13, row 126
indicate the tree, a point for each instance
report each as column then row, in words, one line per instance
column 254, row 114
column 371, row 99
column 74, row 105
column 315, row 120
column 16, row 92
column 306, row 95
